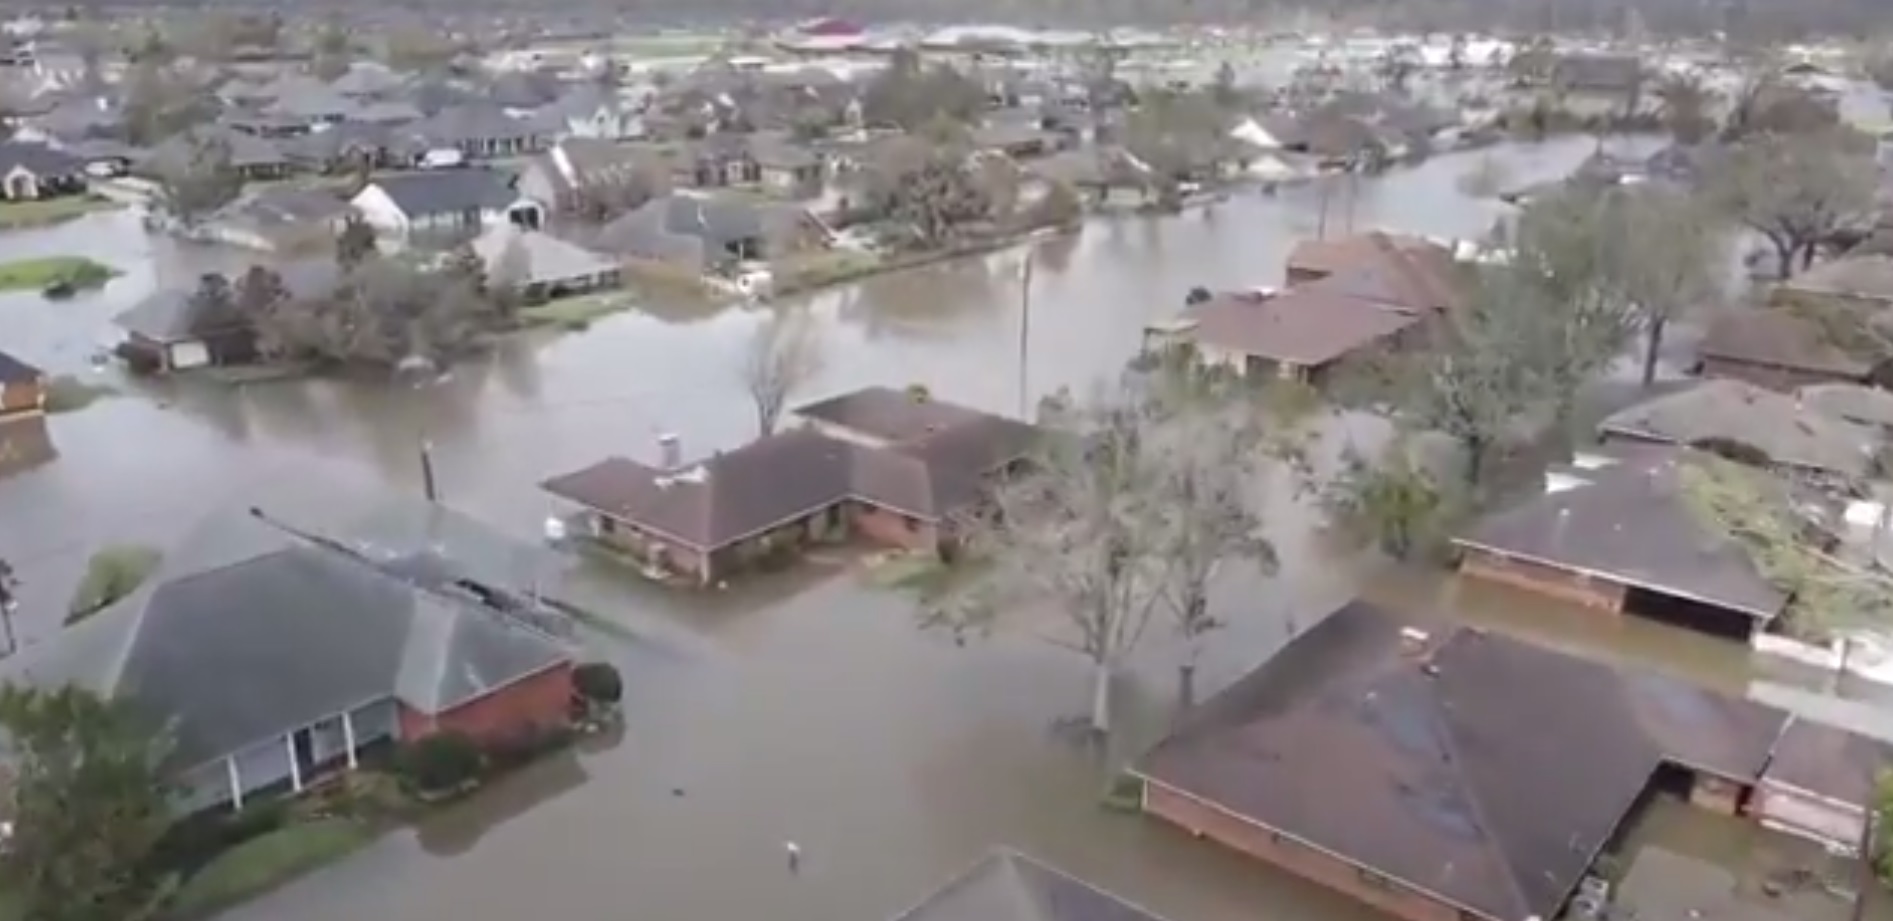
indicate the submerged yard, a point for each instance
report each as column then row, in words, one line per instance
column 17, row 214
column 33, row 274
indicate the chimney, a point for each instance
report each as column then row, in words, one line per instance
column 670, row 451
column 1413, row 642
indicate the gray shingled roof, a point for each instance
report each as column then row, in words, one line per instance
column 248, row 632
column 447, row 191
column 38, row 159
column 1436, row 768
column 1009, row 886
column 1793, row 435
column 15, row 371
column 1631, row 523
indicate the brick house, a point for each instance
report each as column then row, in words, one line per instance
column 1775, row 348
column 1621, row 537
column 1408, row 772
column 279, row 657
column 22, row 389
column 893, row 466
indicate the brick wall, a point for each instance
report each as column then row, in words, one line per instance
column 21, row 398
column 544, row 699
column 893, row 528
column 1197, row 817
column 1545, row 580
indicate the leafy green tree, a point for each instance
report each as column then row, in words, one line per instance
column 111, row 575
column 909, row 94
column 89, row 800
column 1797, row 190
column 1390, row 502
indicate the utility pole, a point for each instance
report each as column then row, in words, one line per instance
column 1025, row 331
column 1327, row 191
column 8, row 604
column 428, row 486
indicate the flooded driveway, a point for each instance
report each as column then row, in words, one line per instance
column 802, row 707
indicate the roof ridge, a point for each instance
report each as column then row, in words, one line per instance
column 1489, row 840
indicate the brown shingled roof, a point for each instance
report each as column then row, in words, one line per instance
column 1307, row 325
column 1778, row 338
column 1488, row 772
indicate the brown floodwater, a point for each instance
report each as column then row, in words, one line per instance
column 803, row 706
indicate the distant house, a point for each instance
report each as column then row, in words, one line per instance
column 1796, row 439
column 540, row 265
column 479, row 131
column 788, row 169
column 165, row 333
column 591, row 111
column 1467, row 775
column 278, row 219
column 22, row 389
column 250, row 156
column 575, row 169
column 1009, row 886
column 1776, row 348
column 277, row 657
column 1621, row 537
column 697, row 235
column 877, row 462
column 1862, row 282
column 449, row 201
column 30, row 170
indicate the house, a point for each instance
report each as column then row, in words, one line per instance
column 787, row 169
column 1620, row 536
column 1006, row 885
column 1862, row 282
column 593, row 111
column 1820, row 783
column 22, row 389
column 250, row 156
column 697, row 235
column 277, row 656
column 30, row 170
column 541, row 266
column 1414, row 772
column 1777, row 348
column 887, row 464
column 165, row 333
column 1305, row 333
column 446, row 201
column 479, row 130
column 577, row 171
column 1715, row 414
column 278, row 219
column 1869, row 407
column 366, row 80
column 1412, row 272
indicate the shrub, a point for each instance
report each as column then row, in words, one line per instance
column 113, row 573
column 198, row 839
column 440, row 763
column 598, row 682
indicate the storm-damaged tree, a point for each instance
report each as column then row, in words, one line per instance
column 159, row 102
column 381, row 312
column 1766, row 105
column 927, row 187
column 1833, row 591
column 1175, row 135
column 355, row 243
column 213, row 306
column 1687, row 105
column 1672, row 247
column 908, row 94
column 783, row 355
column 1797, row 191
column 1389, row 500
column 1209, row 495
column 202, row 180
column 258, row 296
column 1074, row 530
column 87, row 799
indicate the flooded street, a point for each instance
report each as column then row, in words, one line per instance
column 799, row 707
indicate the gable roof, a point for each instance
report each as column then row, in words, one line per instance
column 1777, row 338
column 446, row 191
column 1864, row 276
column 1434, row 769
column 38, row 159
column 249, row 631
column 1404, row 272
column 1631, row 523
column 1309, row 325
column 1856, row 403
column 15, row 371
column 1791, row 434
column 1009, row 886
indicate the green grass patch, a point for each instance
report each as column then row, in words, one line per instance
column 66, row 393
column 36, row 274
column 17, row 214
column 268, row 861
column 113, row 573
column 575, row 313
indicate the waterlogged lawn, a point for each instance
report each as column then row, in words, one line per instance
column 35, row 274
column 268, row 861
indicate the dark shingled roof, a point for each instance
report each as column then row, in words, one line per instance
column 15, row 371
column 1631, row 523
column 1486, row 771
column 1828, row 761
column 446, row 191
column 774, row 480
column 1009, row 886
column 1308, row 325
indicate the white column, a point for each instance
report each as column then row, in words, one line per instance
column 295, row 770
column 348, row 739
column 236, row 782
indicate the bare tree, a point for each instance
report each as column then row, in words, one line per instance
column 202, row 181
column 1073, row 531
column 1671, row 252
column 1797, row 190
column 784, row 354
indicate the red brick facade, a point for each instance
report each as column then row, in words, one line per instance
column 1564, row 585
column 1198, row 817
column 893, row 528
column 22, row 399
column 544, row 699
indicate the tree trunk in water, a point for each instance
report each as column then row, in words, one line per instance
column 1653, row 344
column 1807, row 254
column 1784, row 260
column 1186, row 686
column 1101, row 698
column 1475, row 460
